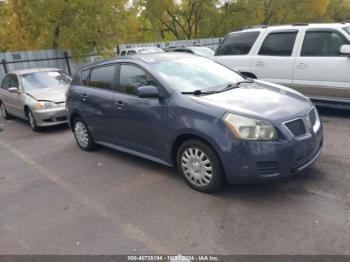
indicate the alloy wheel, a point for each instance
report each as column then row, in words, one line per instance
column 31, row 120
column 196, row 167
column 81, row 134
column 3, row 111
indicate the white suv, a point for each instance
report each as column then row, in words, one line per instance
column 311, row 58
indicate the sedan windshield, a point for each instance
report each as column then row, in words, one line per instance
column 195, row 73
column 39, row 80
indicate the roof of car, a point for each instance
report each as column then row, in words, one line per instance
column 146, row 58
column 34, row 70
column 294, row 26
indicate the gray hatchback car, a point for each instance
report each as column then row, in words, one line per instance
column 37, row 95
column 182, row 110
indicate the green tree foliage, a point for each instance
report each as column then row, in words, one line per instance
column 99, row 25
column 82, row 25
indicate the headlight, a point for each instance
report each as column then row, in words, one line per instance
column 249, row 129
column 44, row 105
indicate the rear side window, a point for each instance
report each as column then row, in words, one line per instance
column 122, row 53
column 85, row 77
column 132, row 77
column 278, row 44
column 103, row 77
column 326, row 43
column 237, row 43
column 6, row 83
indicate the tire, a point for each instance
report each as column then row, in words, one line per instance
column 200, row 166
column 32, row 121
column 83, row 135
column 4, row 112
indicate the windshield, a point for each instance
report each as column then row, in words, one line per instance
column 150, row 50
column 347, row 29
column 203, row 51
column 195, row 73
column 47, row 79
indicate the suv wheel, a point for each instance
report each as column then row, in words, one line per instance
column 200, row 166
column 4, row 113
column 32, row 122
column 82, row 135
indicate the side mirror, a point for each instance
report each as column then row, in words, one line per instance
column 147, row 92
column 345, row 49
column 13, row 90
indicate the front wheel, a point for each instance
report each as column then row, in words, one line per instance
column 200, row 166
column 32, row 122
column 82, row 135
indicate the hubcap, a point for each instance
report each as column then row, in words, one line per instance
column 3, row 110
column 81, row 134
column 197, row 167
column 31, row 120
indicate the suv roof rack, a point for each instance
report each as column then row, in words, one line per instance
column 300, row 24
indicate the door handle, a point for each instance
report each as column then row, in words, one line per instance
column 260, row 64
column 85, row 97
column 302, row 65
column 120, row 105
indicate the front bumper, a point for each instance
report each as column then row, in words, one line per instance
column 254, row 161
column 50, row 117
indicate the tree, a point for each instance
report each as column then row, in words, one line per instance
column 81, row 25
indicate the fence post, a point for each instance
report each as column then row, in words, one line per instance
column 3, row 61
column 66, row 57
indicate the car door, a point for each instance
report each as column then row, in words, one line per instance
column 142, row 122
column 321, row 71
column 274, row 61
column 4, row 93
column 17, row 99
column 97, row 107
column 13, row 101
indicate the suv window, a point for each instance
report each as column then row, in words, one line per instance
column 85, row 77
column 131, row 77
column 323, row 43
column 103, row 77
column 237, row 43
column 278, row 44
column 9, row 81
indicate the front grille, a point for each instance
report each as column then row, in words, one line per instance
column 296, row 127
column 312, row 116
column 267, row 168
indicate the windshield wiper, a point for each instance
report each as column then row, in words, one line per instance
column 231, row 86
column 200, row 92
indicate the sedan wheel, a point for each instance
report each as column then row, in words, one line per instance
column 82, row 135
column 200, row 166
column 4, row 113
column 32, row 121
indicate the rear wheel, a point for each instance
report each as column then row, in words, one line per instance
column 82, row 135
column 32, row 121
column 4, row 112
column 200, row 166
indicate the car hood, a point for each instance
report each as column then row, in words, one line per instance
column 261, row 100
column 54, row 94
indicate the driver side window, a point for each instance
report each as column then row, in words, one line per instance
column 9, row 81
column 131, row 77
